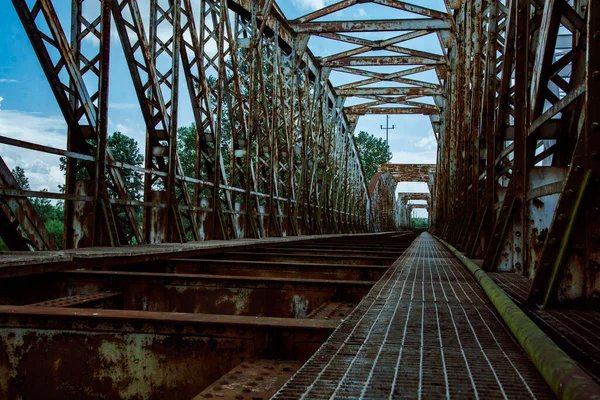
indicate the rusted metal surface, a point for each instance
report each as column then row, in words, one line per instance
column 384, row 208
column 353, row 259
column 299, row 270
column 516, row 182
column 191, row 293
column 258, row 379
column 501, row 112
column 410, row 172
column 145, row 330
column 522, row 136
column 27, row 263
column 93, row 354
column 90, row 300
column 335, row 310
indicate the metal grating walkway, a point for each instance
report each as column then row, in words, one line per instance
column 426, row 330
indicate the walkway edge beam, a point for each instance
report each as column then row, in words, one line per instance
column 560, row 371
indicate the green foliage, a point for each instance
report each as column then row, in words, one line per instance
column 50, row 214
column 420, row 224
column 55, row 229
column 373, row 152
column 45, row 209
column 186, row 149
column 125, row 149
column 20, row 177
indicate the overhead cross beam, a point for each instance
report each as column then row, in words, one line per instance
column 427, row 21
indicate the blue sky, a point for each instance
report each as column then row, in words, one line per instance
column 29, row 110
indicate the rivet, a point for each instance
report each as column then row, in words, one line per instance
column 562, row 217
column 596, row 126
column 553, row 241
column 596, row 75
column 570, row 193
column 578, row 168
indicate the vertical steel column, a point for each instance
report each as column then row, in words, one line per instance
column 520, row 165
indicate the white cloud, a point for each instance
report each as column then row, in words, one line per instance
column 124, row 129
column 124, row 106
column 309, row 5
column 428, row 143
column 34, row 127
column 42, row 169
column 4, row 80
column 412, row 187
column 414, row 157
column 359, row 13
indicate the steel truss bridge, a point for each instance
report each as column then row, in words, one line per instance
column 273, row 267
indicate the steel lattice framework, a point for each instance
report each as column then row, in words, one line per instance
column 512, row 108
column 518, row 161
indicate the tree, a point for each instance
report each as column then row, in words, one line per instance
column 20, row 177
column 419, row 224
column 372, row 152
column 50, row 214
column 124, row 149
column 186, row 149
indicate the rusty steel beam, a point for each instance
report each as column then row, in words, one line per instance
column 414, row 196
column 265, row 255
column 410, row 172
column 372, row 26
column 162, row 343
column 409, row 91
column 393, row 110
column 366, row 61
column 290, row 269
